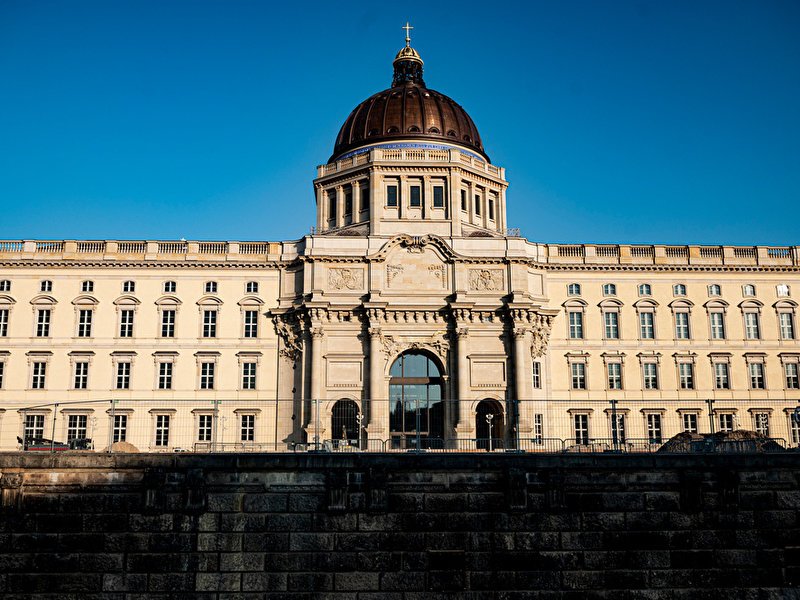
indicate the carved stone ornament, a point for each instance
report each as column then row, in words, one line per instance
column 436, row 343
column 440, row 273
column 541, row 336
column 346, row 279
column 290, row 334
column 393, row 271
column 485, row 280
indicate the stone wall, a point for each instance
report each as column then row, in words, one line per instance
column 330, row 527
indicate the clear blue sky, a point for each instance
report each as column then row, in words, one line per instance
column 649, row 121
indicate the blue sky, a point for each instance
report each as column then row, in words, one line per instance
column 648, row 121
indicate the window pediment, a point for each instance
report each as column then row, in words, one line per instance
column 43, row 299
column 85, row 301
column 173, row 300
column 250, row 301
column 126, row 300
column 209, row 300
column 681, row 303
column 751, row 303
column 645, row 303
column 716, row 303
column 7, row 300
column 609, row 303
column 575, row 303
column 783, row 303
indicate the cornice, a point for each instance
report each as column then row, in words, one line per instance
column 142, row 264
column 683, row 268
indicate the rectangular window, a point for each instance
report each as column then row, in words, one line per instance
column 249, row 376
column 76, row 427
column 204, row 427
column 123, row 375
column 762, row 423
column 646, row 325
column 2, row 372
column 614, row 376
column 576, row 325
column 464, row 200
column 751, row 326
column 4, row 322
column 438, row 196
column 721, row 381
column 39, row 372
column 415, row 197
column 165, row 375
column 682, row 326
column 618, row 428
column 477, row 204
column 581, row 425
column 43, row 323
column 756, row 376
column 126, row 323
column 120, row 429
column 690, row 422
column 686, row 372
column 491, row 208
column 168, row 324
column 650, row 371
column 348, row 205
column 538, row 428
column 81, row 375
column 162, row 430
column 794, row 428
column 391, row 195
column 786, row 321
column 654, row 427
column 717, row 326
column 612, row 325
column 209, row 323
column 251, row 323
column 537, row 375
column 365, row 199
column 790, row 370
column 207, row 376
column 85, row 323
column 332, row 206
column 248, row 430
column 578, row 376
column 34, row 427
column 726, row 422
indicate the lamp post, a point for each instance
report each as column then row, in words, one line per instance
column 614, row 424
column 360, row 420
column 489, row 417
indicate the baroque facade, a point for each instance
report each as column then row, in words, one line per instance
column 411, row 309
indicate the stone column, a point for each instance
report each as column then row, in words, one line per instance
column 454, row 211
column 522, row 378
column 339, row 206
column 375, row 202
column 356, row 187
column 316, row 427
column 378, row 407
column 465, row 425
column 322, row 210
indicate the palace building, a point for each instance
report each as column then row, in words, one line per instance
column 411, row 315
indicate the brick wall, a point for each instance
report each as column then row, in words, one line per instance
column 362, row 527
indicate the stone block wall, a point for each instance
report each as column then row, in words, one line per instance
column 399, row 527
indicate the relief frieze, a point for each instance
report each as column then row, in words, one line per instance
column 346, row 278
column 486, row 280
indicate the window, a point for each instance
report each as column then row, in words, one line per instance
column 204, row 427
column 618, row 427
column 644, row 289
column 123, row 380
column 537, row 375
column 251, row 323
column 46, row 286
column 5, row 285
column 251, row 287
column 721, row 380
column 650, row 374
column 756, row 371
column 162, row 430
column 678, row 289
column 43, row 322
column 34, row 427
column 748, row 290
column 576, row 325
column 578, row 376
column 690, row 422
column 614, row 376
column 761, row 422
column 464, row 200
column 574, row 289
column 2, row 372
column 726, row 422
column 87, row 286
column 491, row 207
column 581, row 426
column 415, row 197
column 211, row 287
column 210, row 323
column 609, row 289
column 81, row 379
column 365, row 199
column 391, row 195
column 782, row 290
column 129, row 287
column 348, row 204
column 477, row 204
column 3, row 322
column 168, row 323
column 717, row 325
column 654, row 427
column 165, row 375
column 714, row 290
column 76, row 427
column 790, row 371
column 126, row 323
column 682, row 325
column 538, row 428
column 170, row 287
column 686, row 375
column 785, row 319
column 794, row 428
column 751, row 328
column 248, row 428
column 332, row 206
column 39, row 370
column 207, row 375
column 120, row 428
column 85, row 322
column 611, row 319
column 646, row 329
column 249, row 376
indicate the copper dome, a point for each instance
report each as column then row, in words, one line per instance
column 408, row 110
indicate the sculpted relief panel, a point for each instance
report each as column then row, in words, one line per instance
column 350, row 278
column 486, row 280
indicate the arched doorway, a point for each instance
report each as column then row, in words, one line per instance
column 344, row 422
column 489, row 424
column 416, row 410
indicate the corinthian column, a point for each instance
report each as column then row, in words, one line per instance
column 378, row 407
column 316, row 427
column 522, row 378
column 465, row 426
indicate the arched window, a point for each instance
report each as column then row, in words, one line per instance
column 128, row 287
column 251, row 287
column 170, row 287
column 748, row 290
column 678, row 289
column 87, row 287
column 415, row 402
column 714, row 290
column 211, row 287
column 574, row 289
column 609, row 289
column 344, row 422
column 489, row 425
column 644, row 289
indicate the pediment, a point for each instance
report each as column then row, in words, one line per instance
column 416, row 244
column 416, row 264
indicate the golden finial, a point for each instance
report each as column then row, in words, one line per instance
column 408, row 34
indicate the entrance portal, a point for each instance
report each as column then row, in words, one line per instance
column 416, row 410
column 489, row 425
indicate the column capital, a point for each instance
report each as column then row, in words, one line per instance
column 316, row 332
column 462, row 332
column 374, row 331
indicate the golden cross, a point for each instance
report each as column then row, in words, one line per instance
column 408, row 33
